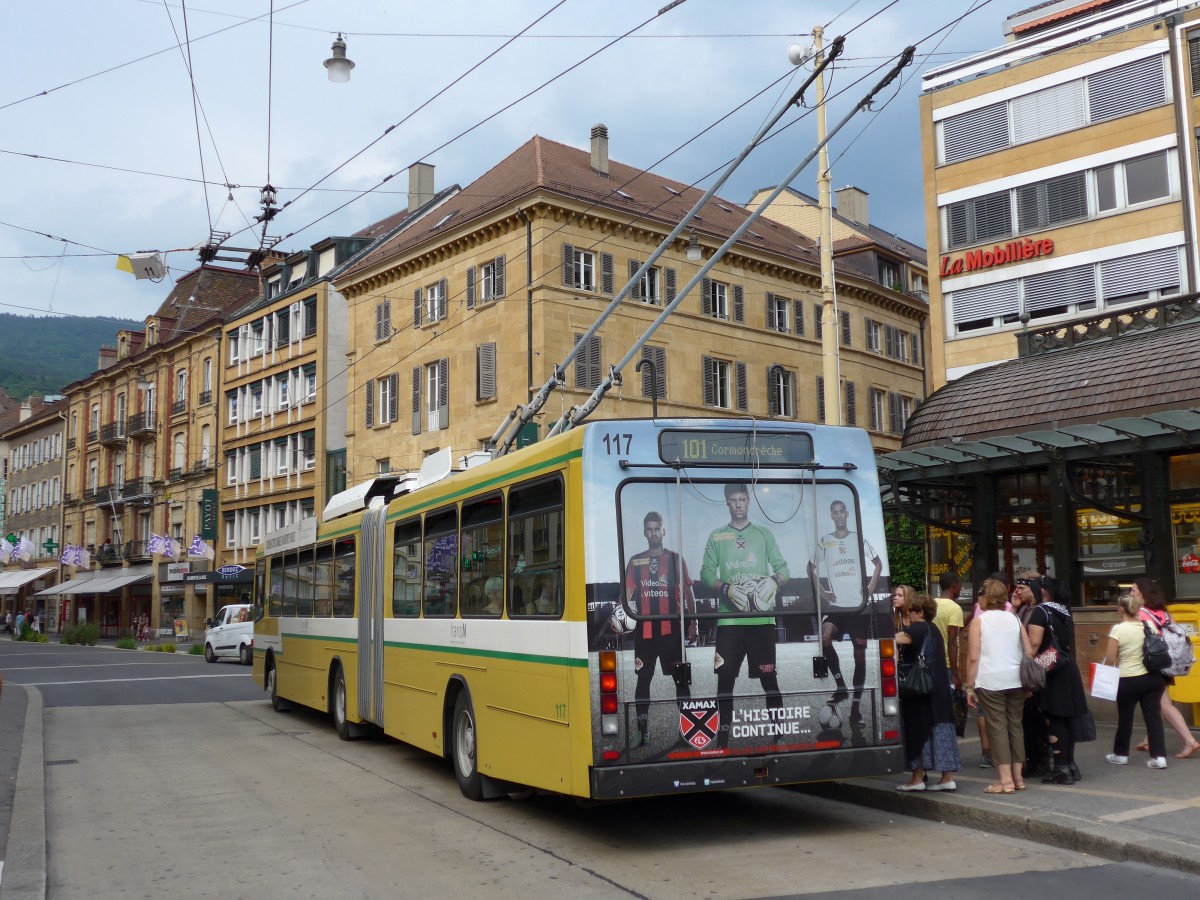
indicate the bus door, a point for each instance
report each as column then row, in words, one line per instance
column 370, row 615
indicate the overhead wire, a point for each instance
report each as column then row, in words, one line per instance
column 187, row 61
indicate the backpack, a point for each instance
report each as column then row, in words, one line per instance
column 1179, row 645
column 1155, row 655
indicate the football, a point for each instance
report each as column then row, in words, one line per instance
column 828, row 717
column 620, row 621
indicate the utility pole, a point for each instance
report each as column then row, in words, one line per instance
column 829, row 323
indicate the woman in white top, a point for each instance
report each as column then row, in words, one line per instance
column 1136, row 686
column 995, row 643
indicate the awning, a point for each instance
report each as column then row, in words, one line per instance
column 115, row 584
column 72, row 586
column 102, row 582
column 10, row 581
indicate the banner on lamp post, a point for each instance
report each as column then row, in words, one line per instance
column 208, row 514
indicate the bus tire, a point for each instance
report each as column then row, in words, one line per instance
column 464, row 747
column 277, row 703
column 209, row 656
column 337, row 705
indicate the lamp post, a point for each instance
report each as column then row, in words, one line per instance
column 338, row 65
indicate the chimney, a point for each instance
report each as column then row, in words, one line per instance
column 600, row 149
column 108, row 356
column 26, row 410
column 852, row 204
column 420, row 185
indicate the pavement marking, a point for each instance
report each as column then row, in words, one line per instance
column 148, row 662
column 112, row 680
column 1147, row 811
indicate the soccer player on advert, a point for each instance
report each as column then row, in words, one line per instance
column 742, row 563
column 837, row 573
column 653, row 588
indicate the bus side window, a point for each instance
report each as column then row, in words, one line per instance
column 441, row 562
column 305, row 583
column 323, row 585
column 344, row 559
column 290, row 583
column 275, row 597
column 535, row 548
column 406, row 570
column 482, row 555
column 260, row 587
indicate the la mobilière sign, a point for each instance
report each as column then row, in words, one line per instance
column 1013, row 251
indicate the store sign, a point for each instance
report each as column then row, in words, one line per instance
column 208, row 514
column 223, row 575
column 1012, row 252
column 292, row 537
column 176, row 571
column 1114, row 565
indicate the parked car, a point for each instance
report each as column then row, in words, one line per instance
column 230, row 634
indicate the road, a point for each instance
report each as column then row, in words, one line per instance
column 226, row 798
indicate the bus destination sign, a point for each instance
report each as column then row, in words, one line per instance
column 741, row 448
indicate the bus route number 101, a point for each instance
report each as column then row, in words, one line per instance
column 617, row 444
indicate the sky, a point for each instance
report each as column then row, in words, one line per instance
column 133, row 155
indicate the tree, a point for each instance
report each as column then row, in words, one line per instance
column 906, row 551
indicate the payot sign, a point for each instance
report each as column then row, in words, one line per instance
column 999, row 255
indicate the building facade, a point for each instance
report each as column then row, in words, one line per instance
column 141, row 461
column 34, row 503
column 467, row 313
column 1060, row 174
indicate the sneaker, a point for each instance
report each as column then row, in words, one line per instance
column 1117, row 760
column 986, row 762
column 856, row 718
column 1156, row 762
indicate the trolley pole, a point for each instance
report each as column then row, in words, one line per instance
column 829, row 324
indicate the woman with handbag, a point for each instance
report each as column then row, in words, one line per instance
column 1154, row 611
column 930, row 741
column 996, row 643
column 1136, row 686
column 1062, row 701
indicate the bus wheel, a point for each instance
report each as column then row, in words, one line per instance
column 209, row 656
column 338, row 704
column 277, row 703
column 464, row 737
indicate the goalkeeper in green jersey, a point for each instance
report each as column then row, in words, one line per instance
column 742, row 563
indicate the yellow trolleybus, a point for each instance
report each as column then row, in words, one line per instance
column 627, row 609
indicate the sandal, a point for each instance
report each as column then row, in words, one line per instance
column 1019, row 787
column 1190, row 751
column 999, row 789
column 1144, row 746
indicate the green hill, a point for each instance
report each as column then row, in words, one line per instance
column 40, row 355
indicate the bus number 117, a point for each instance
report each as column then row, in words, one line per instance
column 613, row 444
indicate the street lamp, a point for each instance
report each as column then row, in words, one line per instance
column 338, row 65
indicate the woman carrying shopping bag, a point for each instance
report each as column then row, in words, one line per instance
column 1137, row 686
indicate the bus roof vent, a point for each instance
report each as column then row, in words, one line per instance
column 374, row 492
column 436, row 466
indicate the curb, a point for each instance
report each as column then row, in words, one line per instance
column 1115, row 843
column 25, row 866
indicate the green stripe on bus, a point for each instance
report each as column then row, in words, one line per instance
column 567, row 661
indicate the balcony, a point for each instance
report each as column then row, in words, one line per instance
column 175, row 474
column 113, row 434
column 93, row 436
column 70, row 443
column 138, row 489
column 136, row 551
column 143, row 423
column 107, row 555
column 178, row 407
column 202, row 467
column 107, row 495
column 205, row 398
column 89, row 494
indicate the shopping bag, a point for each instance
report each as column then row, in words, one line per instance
column 1104, row 681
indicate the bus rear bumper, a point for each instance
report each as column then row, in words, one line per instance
column 728, row 772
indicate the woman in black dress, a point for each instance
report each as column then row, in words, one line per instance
column 930, row 741
column 1062, row 701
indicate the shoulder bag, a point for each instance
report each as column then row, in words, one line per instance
column 1156, row 656
column 1053, row 657
column 1033, row 676
column 917, row 680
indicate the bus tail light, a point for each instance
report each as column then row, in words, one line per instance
column 608, row 692
column 887, row 671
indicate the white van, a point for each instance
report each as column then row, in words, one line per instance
column 231, row 634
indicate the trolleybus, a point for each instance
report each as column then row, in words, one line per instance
column 632, row 608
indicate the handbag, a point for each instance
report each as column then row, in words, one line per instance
column 1053, row 657
column 1033, row 676
column 1087, row 728
column 958, row 700
column 916, row 681
column 1156, row 655
column 1104, row 681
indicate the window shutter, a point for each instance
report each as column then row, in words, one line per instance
column 442, row 295
column 1156, row 270
column 658, row 357
column 470, row 287
column 283, row 329
column 568, row 265
column 310, row 317
column 845, row 327
column 1127, row 89
column 710, row 388
column 417, row 308
column 957, row 229
column 798, row 316
column 485, row 387
column 1052, row 110
column 984, row 302
column 256, row 461
column 820, row 398
column 916, row 351
column 1047, row 290
column 975, row 133
column 771, row 326
column 498, row 267
column 894, row 413
column 851, row 413
column 606, row 273
column 739, row 303
column 669, row 283
column 379, row 321
column 394, row 396
column 443, row 393
column 416, row 400
column 635, row 289
column 819, row 330
column 772, row 396
column 706, row 296
column 370, row 403
column 741, row 386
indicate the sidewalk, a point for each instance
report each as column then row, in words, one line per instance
column 1124, row 813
